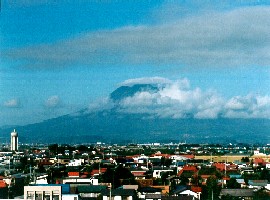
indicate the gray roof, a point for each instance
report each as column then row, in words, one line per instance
column 237, row 192
column 258, row 182
column 178, row 198
column 91, row 188
column 153, row 196
column 119, row 192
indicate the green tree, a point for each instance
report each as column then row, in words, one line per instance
column 172, row 187
column 164, row 177
column 261, row 195
column 265, row 175
column 229, row 197
column 196, row 180
column 233, row 184
column 117, row 176
column 184, row 180
column 53, row 148
column 212, row 188
column 245, row 159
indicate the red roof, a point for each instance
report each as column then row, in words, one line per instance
column 163, row 155
column 74, row 174
column 97, row 171
column 196, row 189
column 189, row 156
column 219, row 166
column 258, row 161
column 207, row 176
column 3, row 184
column 191, row 168
column 142, row 173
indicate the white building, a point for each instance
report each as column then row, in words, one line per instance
column 14, row 141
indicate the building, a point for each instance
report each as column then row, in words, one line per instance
column 49, row 192
column 14, row 141
column 42, row 192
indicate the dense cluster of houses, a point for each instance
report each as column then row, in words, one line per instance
column 100, row 174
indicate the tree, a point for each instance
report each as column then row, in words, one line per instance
column 229, row 197
column 196, row 180
column 245, row 159
column 212, row 188
column 164, row 177
column 184, row 180
column 233, row 184
column 53, row 148
column 261, row 195
column 118, row 176
column 265, row 174
column 172, row 187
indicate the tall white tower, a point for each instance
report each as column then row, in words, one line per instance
column 14, row 141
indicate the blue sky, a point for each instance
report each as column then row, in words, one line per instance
column 58, row 57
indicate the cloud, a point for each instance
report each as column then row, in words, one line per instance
column 226, row 38
column 250, row 106
column 177, row 100
column 12, row 103
column 53, row 102
column 101, row 104
column 145, row 80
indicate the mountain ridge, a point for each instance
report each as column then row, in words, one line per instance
column 112, row 125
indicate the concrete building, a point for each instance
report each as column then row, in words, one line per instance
column 14, row 141
column 42, row 192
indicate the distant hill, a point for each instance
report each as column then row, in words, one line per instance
column 113, row 125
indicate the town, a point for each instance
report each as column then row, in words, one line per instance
column 150, row 171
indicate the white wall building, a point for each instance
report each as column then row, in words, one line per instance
column 14, row 141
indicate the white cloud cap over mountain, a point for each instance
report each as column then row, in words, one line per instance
column 177, row 99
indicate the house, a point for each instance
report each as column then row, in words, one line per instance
column 41, row 178
column 152, row 197
column 267, row 165
column 43, row 192
column 157, row 171
column 71, row 196
column 245, row 194
column 184, row 190
column 242, row 182
column 76, row 162
column 90, row 190
column 95, row 172
column 188, row 171
column 258, row 162
column 3, row 188
column 150, row 192
column 119, row 194
column 257, row 183
column 138, row 173
column 73, row 174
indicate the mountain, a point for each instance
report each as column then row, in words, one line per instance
column 129, row 91
column 112, row 125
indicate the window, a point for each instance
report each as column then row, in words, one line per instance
column 38, row 195
column 47, row 195
column 55, row 195
column 30, row 195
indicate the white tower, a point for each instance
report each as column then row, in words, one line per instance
column 14, row 141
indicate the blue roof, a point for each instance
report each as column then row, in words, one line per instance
column 235, row 175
